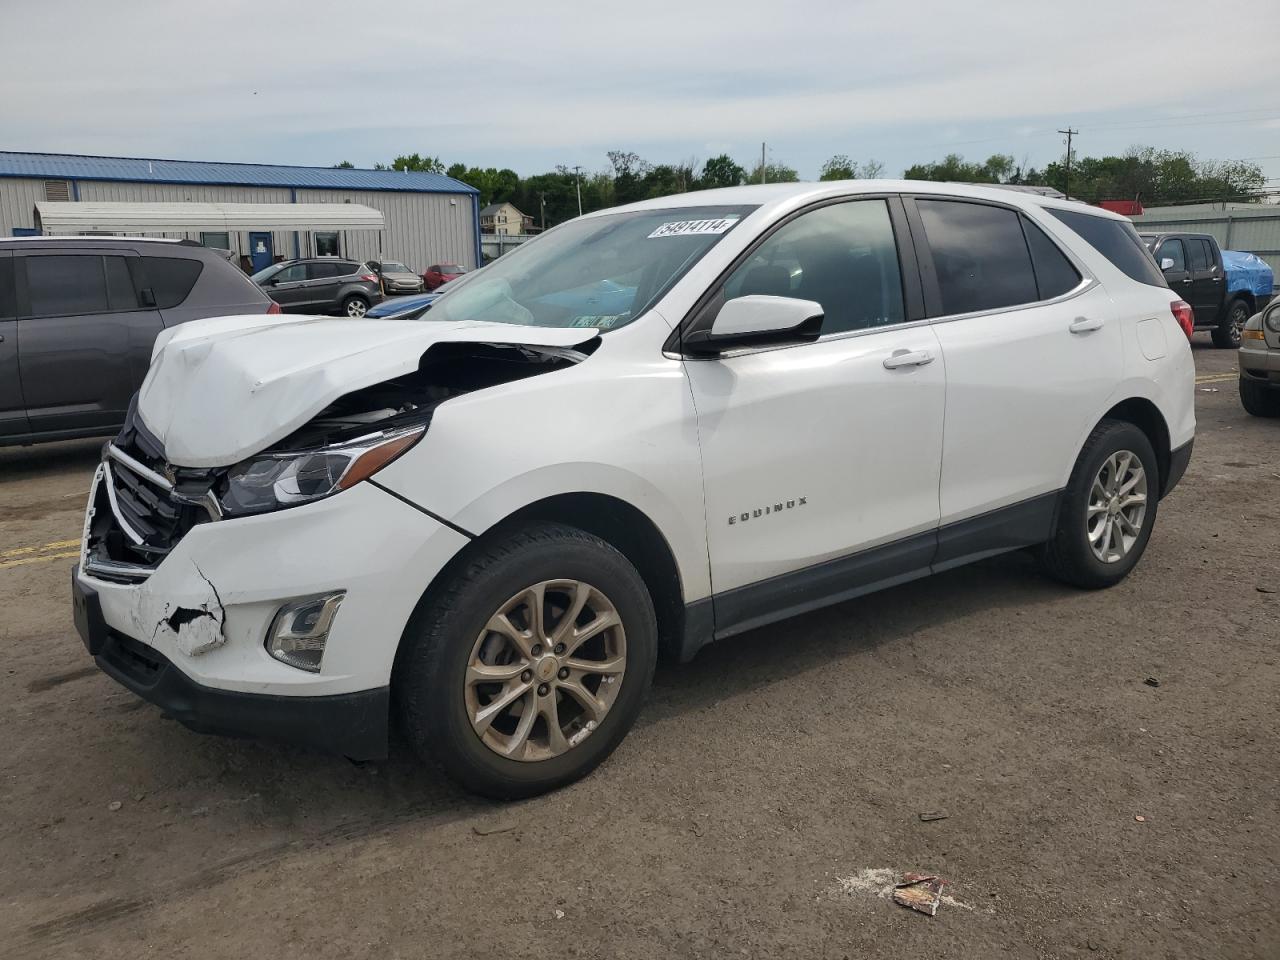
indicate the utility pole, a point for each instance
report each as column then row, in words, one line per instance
column 1067, row 180
column 542, row 203
column 764, row 177
column 577, row 184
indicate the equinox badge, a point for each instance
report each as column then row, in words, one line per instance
column 768, row 509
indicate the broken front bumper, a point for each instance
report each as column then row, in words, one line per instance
column 351, row 724
column 199, row 622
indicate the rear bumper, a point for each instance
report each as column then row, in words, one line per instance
column 350, row 724
column 1178, row 460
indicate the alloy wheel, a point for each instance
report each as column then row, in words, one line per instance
column 545, row 670
column 1117, row 506
column 356, row 308
column 1239, row 317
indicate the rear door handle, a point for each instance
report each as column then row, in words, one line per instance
column 1085, row 324
column 907, row 358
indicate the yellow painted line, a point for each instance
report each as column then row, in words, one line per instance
column 56, row 545
column 1216, row 378
column 22, row 561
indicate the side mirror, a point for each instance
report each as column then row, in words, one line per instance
column 1166, row 263
column 758, row 321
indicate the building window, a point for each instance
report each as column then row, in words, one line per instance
column 219, row 241
column 326, row 245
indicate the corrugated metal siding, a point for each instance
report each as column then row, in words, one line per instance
column 18, row 203
column 421, row 229
column 1255, row 230
column 77, row 167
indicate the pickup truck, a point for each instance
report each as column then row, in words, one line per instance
column 1224, row 288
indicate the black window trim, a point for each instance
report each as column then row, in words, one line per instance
column 22, row 292
column 929, row 275
column 707, row 306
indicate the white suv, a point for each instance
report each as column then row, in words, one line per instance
column 650, row 428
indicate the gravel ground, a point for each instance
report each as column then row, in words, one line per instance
column 771, row 790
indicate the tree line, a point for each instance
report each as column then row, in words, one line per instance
column 1143, row 173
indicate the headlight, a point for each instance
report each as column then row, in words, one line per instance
column 1272, row 319
column 273, row 481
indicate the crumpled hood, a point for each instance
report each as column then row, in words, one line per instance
column 221, row 389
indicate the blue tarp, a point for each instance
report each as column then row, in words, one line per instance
column 1247, row 273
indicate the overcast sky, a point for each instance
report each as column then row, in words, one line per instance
column 529, row 85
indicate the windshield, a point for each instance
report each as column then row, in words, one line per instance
column 390, row 266
column 449, row 268
column 599, row 272
column 266, row 273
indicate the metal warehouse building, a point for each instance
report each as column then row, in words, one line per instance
column 1251, row 227
column 428, row 218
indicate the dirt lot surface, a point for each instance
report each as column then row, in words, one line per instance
column 770, row 791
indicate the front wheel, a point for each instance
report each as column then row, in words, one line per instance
column 1107, row 510
column 1227, row 333
column 1259, row 399
column 527, row 667
column 355, row 307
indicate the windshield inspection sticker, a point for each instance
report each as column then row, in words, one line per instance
column 693, row 228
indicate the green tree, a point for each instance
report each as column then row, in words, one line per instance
column 721, row 171
column 1156, row 177
column 344, row 165
column 839, row 167
column 418, row 164
column 954, row 168
column 775, row 173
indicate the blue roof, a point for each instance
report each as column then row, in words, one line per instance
column 66, row 166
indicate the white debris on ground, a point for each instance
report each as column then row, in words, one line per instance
column 879, row 882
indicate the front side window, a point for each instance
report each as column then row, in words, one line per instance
column 292, row 274
column 1116, row 240
column 65, row 285
column 843, row 256
column 1172, row 250
column 979, row 254
column 8, row 304
column 600, row 271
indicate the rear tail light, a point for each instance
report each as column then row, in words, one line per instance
column 370, row 277
column 274, row 308
column 1186, row 318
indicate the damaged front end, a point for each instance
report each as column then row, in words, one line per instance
column 142, row 505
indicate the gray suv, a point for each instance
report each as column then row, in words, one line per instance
column 79, row 315
column 321, row 285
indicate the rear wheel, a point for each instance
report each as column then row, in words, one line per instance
column 355, row 307
column 529, row 665
column 1108, row 509
column 1227, row 333
column 1259, row 399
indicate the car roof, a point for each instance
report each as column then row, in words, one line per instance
column 777, row 197
column 79, row 240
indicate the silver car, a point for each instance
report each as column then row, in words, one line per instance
column 396, row 277
column 1260, row 363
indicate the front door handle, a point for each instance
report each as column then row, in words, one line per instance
column 907, row 358
column 1085, row 324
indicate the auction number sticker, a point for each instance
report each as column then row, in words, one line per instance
column 693, row 228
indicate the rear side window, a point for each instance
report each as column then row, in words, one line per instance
column 1055, row 274
column 1198, row 251
column 979, row 255
column 121, row 294
column 171, row 278
column 1172, row 250
column 1117, row 241
column 66, row 285
column 8, row 300
column 322, row 271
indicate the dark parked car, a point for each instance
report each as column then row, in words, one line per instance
column 439, row 273
column 396, row 277
column 1196, row 270
column 79, row 315
column 321, row 285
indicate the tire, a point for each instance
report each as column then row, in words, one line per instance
column 355, row 307
column 1070, row 554
column 449, row 640
column 1259, row 399
column 1226, row 335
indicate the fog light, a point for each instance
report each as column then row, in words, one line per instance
column 300, row 629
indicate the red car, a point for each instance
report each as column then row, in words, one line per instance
column 442, row 273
